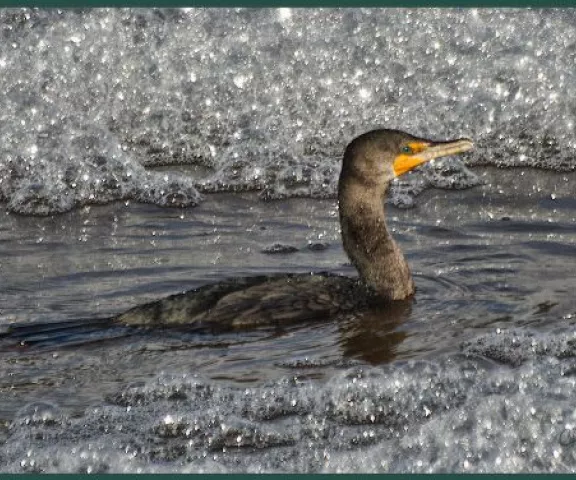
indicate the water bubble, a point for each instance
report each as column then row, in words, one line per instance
column 36, row 413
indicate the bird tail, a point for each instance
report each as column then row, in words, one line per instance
column 67, row 333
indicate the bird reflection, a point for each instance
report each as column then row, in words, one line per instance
column 371, row 335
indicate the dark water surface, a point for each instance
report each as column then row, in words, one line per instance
column 499, row 256
column 477, row 374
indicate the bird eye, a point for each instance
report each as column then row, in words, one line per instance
column 406, row 149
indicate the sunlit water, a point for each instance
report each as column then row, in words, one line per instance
column 150, row 109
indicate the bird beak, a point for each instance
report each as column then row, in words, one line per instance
column 424, row 152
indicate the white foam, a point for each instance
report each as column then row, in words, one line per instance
column 460, row 413
column 267, row 99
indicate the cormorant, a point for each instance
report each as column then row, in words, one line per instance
column 369, row 164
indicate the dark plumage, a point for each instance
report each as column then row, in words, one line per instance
column 370, row 162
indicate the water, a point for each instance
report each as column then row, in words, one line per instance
column 151, row 109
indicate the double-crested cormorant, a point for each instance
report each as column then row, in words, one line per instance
column 370, row 162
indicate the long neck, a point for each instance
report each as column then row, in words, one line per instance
column 368, row 243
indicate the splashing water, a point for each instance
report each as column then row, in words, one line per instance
column 267, row 99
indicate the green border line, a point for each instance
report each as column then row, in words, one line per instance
column 293, row 476
column 290, row 476
column 65, row 4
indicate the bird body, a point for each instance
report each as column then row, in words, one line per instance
column 273, row 300
column 369, row 164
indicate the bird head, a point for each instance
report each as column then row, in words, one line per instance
column 377, row 157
